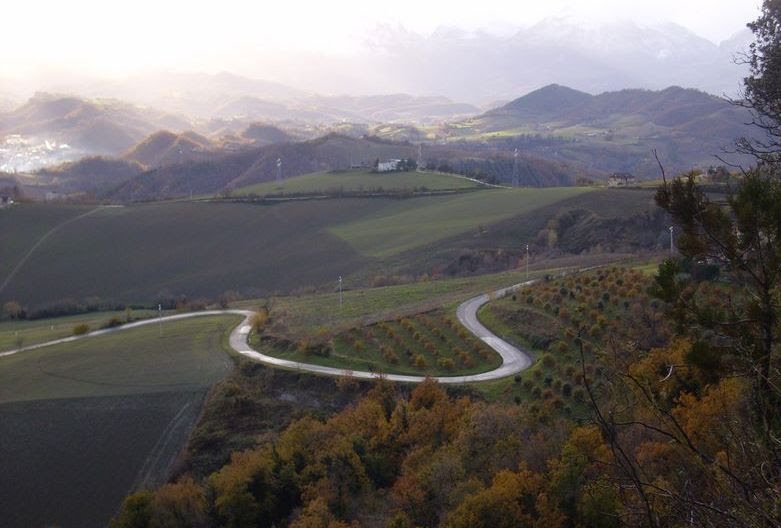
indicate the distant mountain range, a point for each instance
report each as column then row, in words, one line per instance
column 451, row 65
column 614, row 131
column 480, row 67
column 561, row 135
column 104, row 126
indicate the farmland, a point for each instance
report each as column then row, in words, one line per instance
column 393, row 230
column 306, row 314
column 169, row 252
column 97, row 417
column 15, row 334
column 358, row 181
column 30, row 223
column 552, row 318
column 187, row 356
column 149, row 252
column 432, row 343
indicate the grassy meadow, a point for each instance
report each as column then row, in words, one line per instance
column 358, row 181
column 189, row 355
column 24, row 224
column 101, row 416
column 306, row 314
column 16, row 334
column 148, row 253
column 412, row 223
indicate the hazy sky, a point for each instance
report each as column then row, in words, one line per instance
column 122, row 36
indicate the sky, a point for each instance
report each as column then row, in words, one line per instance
column 116, row 38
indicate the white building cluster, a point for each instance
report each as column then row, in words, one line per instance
column 22, row 154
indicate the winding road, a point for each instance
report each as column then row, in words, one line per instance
column 514, row 360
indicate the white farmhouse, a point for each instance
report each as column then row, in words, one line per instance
column 388, row 166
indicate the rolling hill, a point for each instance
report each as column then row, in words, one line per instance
column 167, row 148
column 95, row 175
column 159, row 252
column 255, row 165
column 358, row 181
column 228, row 96
column 97, row 126
column 615, row 131
column 262, row 134
column 228, row 170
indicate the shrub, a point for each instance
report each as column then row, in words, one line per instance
column 447, row 364
column 113, row 322
column 81, row 329
column 390, row 356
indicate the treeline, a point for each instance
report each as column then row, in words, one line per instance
column 501, row 170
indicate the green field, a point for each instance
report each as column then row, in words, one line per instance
column 189, row 355
column 100, row 416
column 393, row 230
column 358, row 181
column 14, row 334
column 310, row 313
column 24, row 224
column 144, row 254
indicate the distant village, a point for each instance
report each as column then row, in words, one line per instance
column 21, row 153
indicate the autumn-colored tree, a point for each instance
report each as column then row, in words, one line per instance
column 180, row 505
column 136, row 511
column 513, row 499
column 12, row 309
column 317, row 515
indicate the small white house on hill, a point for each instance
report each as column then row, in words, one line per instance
column 620, row 179
column 388, row 166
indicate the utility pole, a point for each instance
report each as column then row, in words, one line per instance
column 420, row 157
column 527, row 262
column 516, row 181
column 279, row 170
column 672, row 247
column 340, row 292
column 189, row 177
column 160, row 318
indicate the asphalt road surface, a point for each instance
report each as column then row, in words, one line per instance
column 514, row 360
